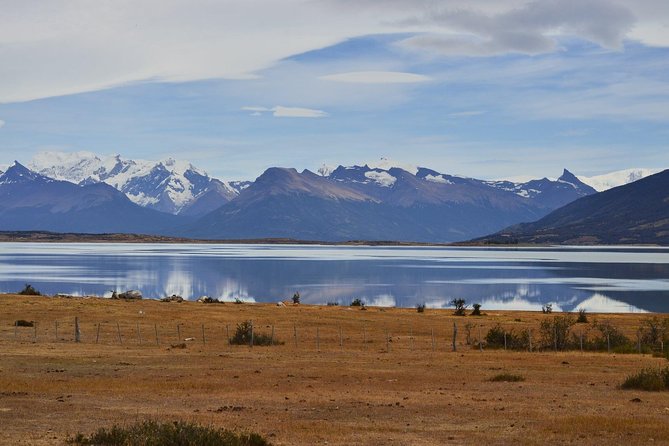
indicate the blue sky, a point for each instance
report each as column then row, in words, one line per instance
column 484, row 89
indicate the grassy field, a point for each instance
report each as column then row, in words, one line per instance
column 380, row 376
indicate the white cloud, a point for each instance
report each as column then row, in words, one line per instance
column 377, row 77
column 84, row 46
column 280, row 111
column 297, row 112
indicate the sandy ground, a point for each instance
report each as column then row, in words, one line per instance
column 321, row 388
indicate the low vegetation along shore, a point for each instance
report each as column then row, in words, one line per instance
column 327, row 374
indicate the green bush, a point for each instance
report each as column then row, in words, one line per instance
column 650, row 379
column 507, row 377
column 357, row 303
column 177, row 433
column 420, row 308
column 477, row 310
column 28, row 290
column 582, row 317
column 514, row 341
column 243, row 332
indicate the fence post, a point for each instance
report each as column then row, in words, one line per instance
column 529, row 337
column 178, row 333
column 638, row 341
column 341, row 339
column 480, row 340
column 455, row 336
column 608, row 343
column 432, row 331
column 155, row 327
column 271, row 341
column 118, row 330
column 204, row 340
column 555, row 341
column 97, row 334
column 77, row 332
column 35, row 332
column 387, row 342
column 139, row 334
column 505, row 340
column 227, row 333
column 295, row 333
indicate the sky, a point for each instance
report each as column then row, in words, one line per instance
column 483, row 88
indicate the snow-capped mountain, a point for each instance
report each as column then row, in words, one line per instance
column 614, row 179
column 169, row 186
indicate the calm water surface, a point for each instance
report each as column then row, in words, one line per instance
column 598, row 279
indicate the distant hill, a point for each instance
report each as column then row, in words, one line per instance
column 30, row 201
column 636, row 213
column 362, row 203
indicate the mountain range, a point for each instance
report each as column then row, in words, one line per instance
column 84, row 192
column 636, row 213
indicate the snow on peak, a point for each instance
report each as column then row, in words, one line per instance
column 325, row 170
column 168, row 185
column 618, row 178
column 387, row 164
column 438, row 179
column 382, row 178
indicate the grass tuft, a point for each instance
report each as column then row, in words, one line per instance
column 153, row 433
column 650, row 380
column 507, row 377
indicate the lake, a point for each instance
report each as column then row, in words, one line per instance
column 601, row 279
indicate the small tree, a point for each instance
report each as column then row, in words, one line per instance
column 460, row 306
column 420, row 308
column 357, row 302
column 582, row 317
column 296, row 297
column 547, row 309
column 28, row 290
column 555, row 333
column 477, row 310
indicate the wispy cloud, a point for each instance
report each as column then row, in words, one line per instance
column 464, row 114
column 281, row 111
column 377, row 77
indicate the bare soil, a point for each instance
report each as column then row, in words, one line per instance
column 349, row 377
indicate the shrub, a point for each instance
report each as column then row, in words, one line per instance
column 616, row 338
column 507, row 377
column 296, row 298
column 420, row 308
column 650, row 379
column 238, row 301
column 653, row 331
column 477, row 310
column 460, row 306
column 357, row 303
column 333, row 304
column 28, row 290
column 555, row 333
column 514, row 341
column 547, row 309
column 153, row 433
column 582, row 317
column 243, row 332
column 24, row 323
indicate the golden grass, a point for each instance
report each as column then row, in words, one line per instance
column 400, row 392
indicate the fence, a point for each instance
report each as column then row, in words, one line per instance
column 352, row 336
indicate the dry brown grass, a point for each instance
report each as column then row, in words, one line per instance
column 358, row 394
